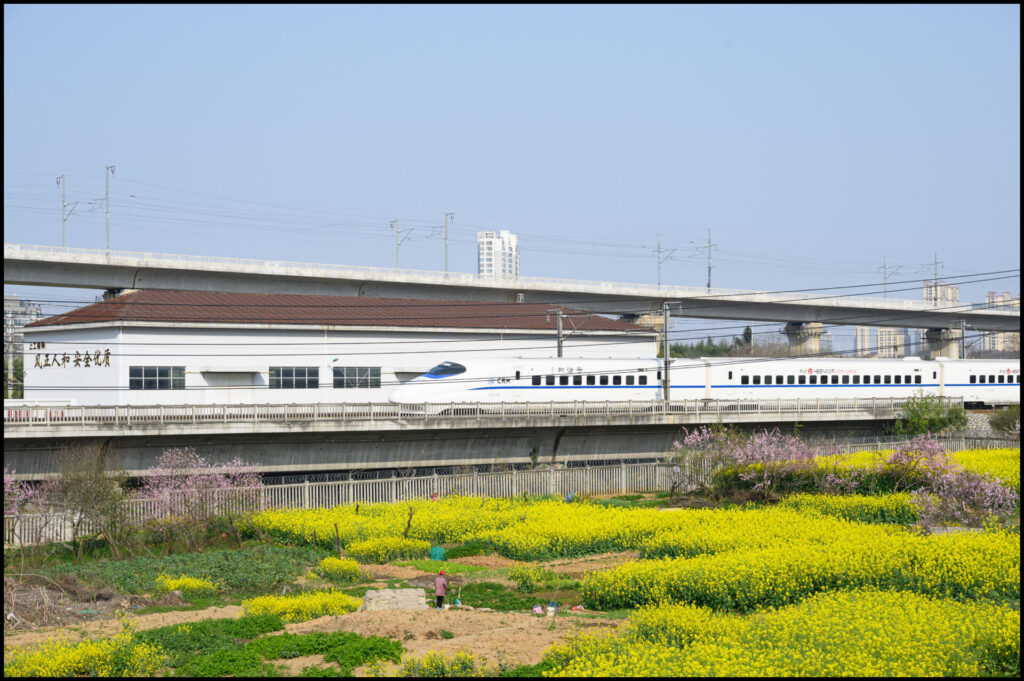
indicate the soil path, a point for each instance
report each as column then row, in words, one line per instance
column 103, row 628
column 577, row 567
column 517, row 638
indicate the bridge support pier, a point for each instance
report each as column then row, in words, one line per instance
column 943, row 343
column 805, row 338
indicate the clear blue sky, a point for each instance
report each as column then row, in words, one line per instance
column 811, row 141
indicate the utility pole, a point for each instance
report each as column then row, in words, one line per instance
column 446, row 216
column 558, row 326
column 884, row 269
column 399, row 239
column 666, row 383
column 657, row 254
column 935, row 274
column 107, row 172
column 64, row 212
column 708, row 247
column 963, row 337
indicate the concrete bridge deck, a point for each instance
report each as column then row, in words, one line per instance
column 96, row 268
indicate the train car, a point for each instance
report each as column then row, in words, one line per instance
column 978, row 382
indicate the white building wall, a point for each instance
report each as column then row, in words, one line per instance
column 210, row 354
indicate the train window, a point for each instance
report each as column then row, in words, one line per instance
column 446, row 369
column 536, row 380
column 1000, row 378
column 934, row 375
column 907, row 379
column 356, row 377
column 835, row 380
column 549, row 380
column 801, row 379
column 590, row 380
column 917, row 378
column 757, row 380
column 616, row 380
column 778, row 380
column 814, row 380
column 846, row 380
column 659, row 375
column 577, row 380
column 991, row 378
column 878, row 379
column 643, row 379
column 888, row 379
column 790, row 380
column 856, row 380
column 730, row 375
column 563, row 380
column 974, row 379
column 744, row 380
column 896, row 379
column 630, row 380
column 517, row 375
column 981, row 379
column 604, row 380
column 767, row 380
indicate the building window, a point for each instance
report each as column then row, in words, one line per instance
column 356, row 377
column 156, row 378
column 294, row 377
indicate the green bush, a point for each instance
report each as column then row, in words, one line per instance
column 469, row 548
column 1003, row 420
column 927, row 414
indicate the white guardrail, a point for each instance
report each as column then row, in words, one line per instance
column 27, row 416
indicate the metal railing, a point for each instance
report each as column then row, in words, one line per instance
column 27, row 416
column 139, row 258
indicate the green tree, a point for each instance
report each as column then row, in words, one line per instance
column 929, row 414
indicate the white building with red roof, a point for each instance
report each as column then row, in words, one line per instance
column 189, row 347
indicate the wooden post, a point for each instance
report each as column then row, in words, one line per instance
column 337, row 541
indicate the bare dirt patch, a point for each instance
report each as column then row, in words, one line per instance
column 385, row 572
column 492, row 562
column 109, row 627
column 577, row 567
column 518, row 638
column 38, row 601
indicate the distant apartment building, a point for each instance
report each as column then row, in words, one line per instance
column 891, row 344
column 862, row 341
column 497, row 254
column 939, row 293
column 912, row 343
column 18, row 313
column 1001, row 341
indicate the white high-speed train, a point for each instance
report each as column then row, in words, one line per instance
column 978, row 382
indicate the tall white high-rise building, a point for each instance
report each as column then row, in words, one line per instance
column 890, row 343
column 497, row 254
column 862, row 341
column 1001, row 341
column 939, row 293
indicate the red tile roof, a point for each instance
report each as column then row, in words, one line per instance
column 200, row 307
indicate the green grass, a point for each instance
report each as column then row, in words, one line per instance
column 255, row 569
column 469, row 548
column 496, row 597
column 235, row 647
column 436, row 565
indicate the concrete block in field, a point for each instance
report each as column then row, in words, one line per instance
column 394, row 599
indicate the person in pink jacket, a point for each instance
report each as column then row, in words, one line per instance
column 440, row 586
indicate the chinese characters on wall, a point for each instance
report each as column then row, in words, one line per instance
column 79, row 359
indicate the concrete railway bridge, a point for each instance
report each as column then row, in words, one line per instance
column 284, row 439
